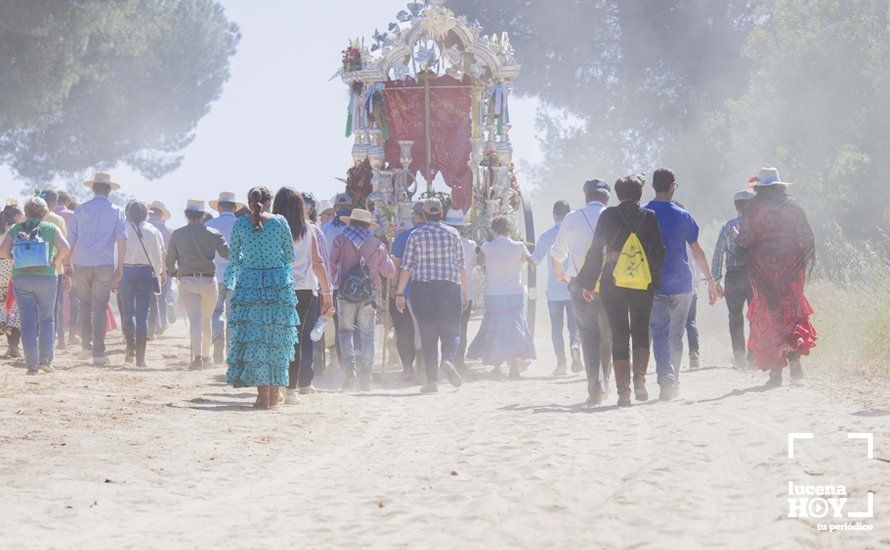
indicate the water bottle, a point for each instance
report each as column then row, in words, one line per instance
column 318, row 329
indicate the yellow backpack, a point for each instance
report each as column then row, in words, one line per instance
column 632, row 268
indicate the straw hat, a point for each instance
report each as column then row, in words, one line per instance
column 159, row 206
column 767, row 177
column 194, row 206
column 102, row 177
column 359, row 215
column 455, row 218
column 225, row 196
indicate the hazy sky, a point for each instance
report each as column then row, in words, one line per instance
column 279, row 121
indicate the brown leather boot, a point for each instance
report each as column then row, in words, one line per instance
column 640, row 366
column 621, row 368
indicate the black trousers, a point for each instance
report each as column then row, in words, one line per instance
column 403, row 323
column 296, row 373
column 738, row 292
column 628, row 311
column 587, row 315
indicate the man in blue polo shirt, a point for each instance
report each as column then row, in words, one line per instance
column 672, row 301
column 407, row 337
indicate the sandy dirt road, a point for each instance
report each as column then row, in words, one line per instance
column 163, row 457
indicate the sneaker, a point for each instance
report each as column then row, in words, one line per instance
column 308, row 390
column 290, row 397
column 196, row 364
column 451, row 373
column 430, row 387
column 667, row 392
column 407, row 375
column 349, row 380
column 85, row 355
column 561, row 369
column 694, row 360
column 100, row 361
column 46, row 367
column 576, row 359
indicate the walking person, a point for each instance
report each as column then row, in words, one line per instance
column 52, row 202
column 10, row 321
column 404, row 323
column 309, row 275
column 736, row 284
column 435, row 264
column 226, row 205
column 670, row 310
column 626, row 258
column 359, row 263
column 503, row 336
column 158, row 307
column 264, row 307
column 559, row 301
column 193, row 249
column 70, row 331
column 98, row 235
column 143, row 269
column 779, row 245
column 455, row 219
column 574, row 237
column 37, row 248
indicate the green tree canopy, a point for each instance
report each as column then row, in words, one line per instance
column 91, row 84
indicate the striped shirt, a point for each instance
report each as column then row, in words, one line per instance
column 434, row 252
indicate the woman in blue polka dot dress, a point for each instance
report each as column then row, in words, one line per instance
column 264, row 317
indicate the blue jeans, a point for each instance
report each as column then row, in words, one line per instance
column 436, row 306
column 356, row 317
column 93, row 292
column 36, row 298
column 219, row 325
column 668, row 325
column 692, row 326
column 135, row 292
column 562, row 310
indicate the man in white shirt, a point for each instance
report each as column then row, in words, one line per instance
column 226, row 205
column 572, row 241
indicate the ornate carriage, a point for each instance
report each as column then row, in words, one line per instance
column 429, row 99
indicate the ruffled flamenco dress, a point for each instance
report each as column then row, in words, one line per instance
column 264, row 316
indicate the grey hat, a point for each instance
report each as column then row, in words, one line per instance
column 342, row 199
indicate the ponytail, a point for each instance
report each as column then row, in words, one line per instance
column 256, row 199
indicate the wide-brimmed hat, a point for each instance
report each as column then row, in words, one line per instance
column 455, row 218
column 766, row 177
column 744, row 195
column 194, row 206
column 225, row 196
column 159, row 206
column 102, row 177
column 359, row 215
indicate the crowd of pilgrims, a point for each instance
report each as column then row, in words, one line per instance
column 274, row 289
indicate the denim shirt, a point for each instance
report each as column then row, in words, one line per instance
column 95, row 228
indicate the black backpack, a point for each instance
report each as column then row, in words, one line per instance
column 355, row 285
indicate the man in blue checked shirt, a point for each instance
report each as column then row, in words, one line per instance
column 736, row 284
column 559, row 301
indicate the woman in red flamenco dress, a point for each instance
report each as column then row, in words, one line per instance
column 779, row 244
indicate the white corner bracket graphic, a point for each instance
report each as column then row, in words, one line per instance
column 869, row 441
column 797, row 435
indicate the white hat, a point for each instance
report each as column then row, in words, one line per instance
column 225, row 196
column 359, row 215
column 101, row 177
column 767, row 177
column 194, row 206
column 455, row 218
